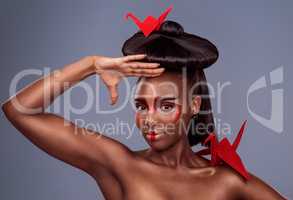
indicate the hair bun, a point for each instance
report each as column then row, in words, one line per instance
column 171, row 28
column 172, row 47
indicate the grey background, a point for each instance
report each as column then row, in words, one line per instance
column 253, row 37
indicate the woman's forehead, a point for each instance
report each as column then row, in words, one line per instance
column 170, row 85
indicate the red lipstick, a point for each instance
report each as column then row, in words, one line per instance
column 152, row 135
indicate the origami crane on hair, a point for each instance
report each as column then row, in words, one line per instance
column 150, row 23
column 223, row 151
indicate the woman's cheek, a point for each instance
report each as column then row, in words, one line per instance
column 173, row 117
column 177, row 113
column 140, row 120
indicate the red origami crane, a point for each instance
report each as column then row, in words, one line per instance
column 223, row 151
column 150, row 23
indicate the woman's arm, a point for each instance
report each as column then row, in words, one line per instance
column 256, row 189
column 62, row 139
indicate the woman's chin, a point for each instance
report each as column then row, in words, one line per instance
column 159, row 143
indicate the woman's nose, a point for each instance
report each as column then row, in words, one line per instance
column 150, row 119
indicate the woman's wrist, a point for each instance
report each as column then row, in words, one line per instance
column 98, row 64
column 89, row 63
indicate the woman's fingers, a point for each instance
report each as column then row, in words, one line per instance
column 145, row 71
column 131, row 67
column 148, row 71
column 113, row 94
column 133, row 57
column 145, row 75
column 141, row 65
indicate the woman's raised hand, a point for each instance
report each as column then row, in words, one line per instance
column 111, row 70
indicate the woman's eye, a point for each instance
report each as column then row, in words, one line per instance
column 167, row 107
column 140, row 107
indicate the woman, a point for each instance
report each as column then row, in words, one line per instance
column 169, row 169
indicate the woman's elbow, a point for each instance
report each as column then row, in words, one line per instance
column 10, row 110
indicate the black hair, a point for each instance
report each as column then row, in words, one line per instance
column 174, row 49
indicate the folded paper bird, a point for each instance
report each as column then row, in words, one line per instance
column 150, row 23
column 223, row 151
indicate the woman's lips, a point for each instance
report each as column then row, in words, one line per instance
column 152, row 133
column 152, row 136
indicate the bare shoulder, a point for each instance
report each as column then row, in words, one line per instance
column 254, row 188
column 230, row 176
column 228, row 181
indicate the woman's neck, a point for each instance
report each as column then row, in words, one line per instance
column 178, row 156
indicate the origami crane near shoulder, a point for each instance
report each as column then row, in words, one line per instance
column 223, row 151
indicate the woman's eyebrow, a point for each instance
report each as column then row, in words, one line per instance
column 167, row 98
column 156, row 99
column 139, row 99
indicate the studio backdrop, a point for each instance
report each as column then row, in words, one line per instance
column 250, row 81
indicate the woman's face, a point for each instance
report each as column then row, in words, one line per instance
column 161, row 108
